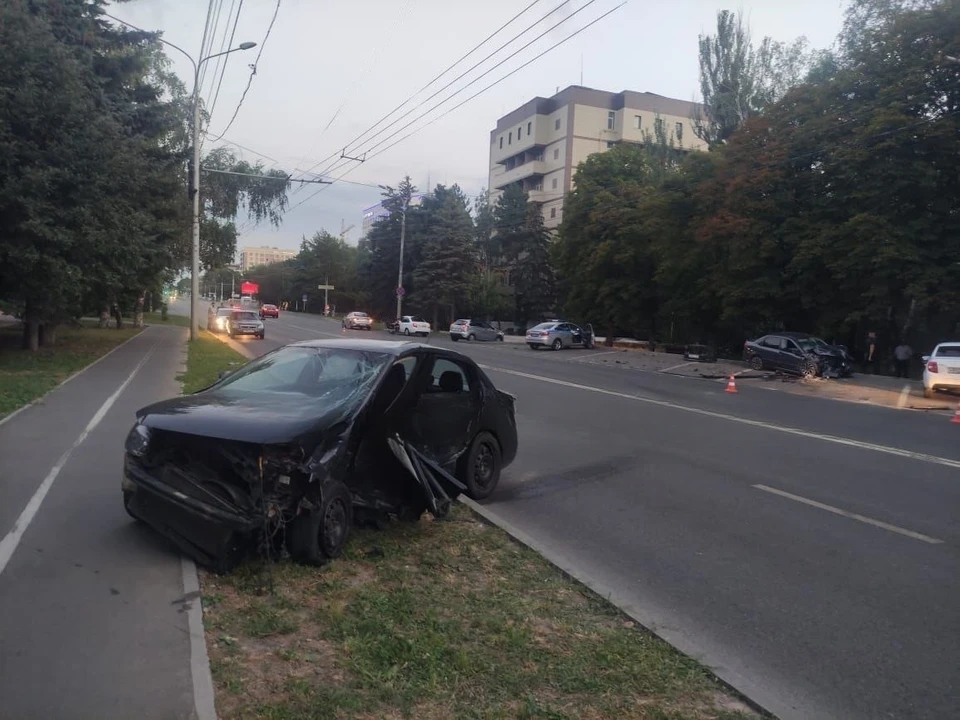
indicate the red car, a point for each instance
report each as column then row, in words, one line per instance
column 271, row 311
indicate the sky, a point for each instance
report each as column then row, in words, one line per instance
column 330, row 70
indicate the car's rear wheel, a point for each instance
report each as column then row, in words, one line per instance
column 316, row 537
column 406, row 331
column 533, row 346
column 454, row 338
column 756, row 362
column 471, row 336
column 482, row 470
column 557, row 344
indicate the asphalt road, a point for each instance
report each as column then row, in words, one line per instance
column 92, row 610
column 806, row 549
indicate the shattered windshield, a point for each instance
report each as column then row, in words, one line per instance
column 314, row 372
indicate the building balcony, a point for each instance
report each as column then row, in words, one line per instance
column 521, row 172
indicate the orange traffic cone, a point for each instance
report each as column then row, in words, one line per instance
column 731, row 385
column 956, row 415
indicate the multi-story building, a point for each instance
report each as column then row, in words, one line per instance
column 377, row 212
column 253, row 256
column 540, row 144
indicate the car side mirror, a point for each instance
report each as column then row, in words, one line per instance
column 926, row 357
column 224, row 373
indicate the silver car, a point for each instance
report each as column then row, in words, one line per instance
column 558, row 335
column 357, row 321
column 474, row 330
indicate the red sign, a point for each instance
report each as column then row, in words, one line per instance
column 249, row 288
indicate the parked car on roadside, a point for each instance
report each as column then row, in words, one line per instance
column 290, row 449
column 797, row 354
column 357, row 321
column 269, row 311
column 941, row 370
column 245, row 322
column 558, row 335
column 474, row 330
column 413, row 325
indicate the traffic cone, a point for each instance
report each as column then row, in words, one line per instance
column 956, row 415
column 732, row 386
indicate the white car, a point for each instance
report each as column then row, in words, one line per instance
column 941, row 370
column 413, row 325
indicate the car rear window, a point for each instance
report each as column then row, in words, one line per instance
column 950, row 351
column 461, row 322
column 417, row 318
column 359, row 314
column 544, row 326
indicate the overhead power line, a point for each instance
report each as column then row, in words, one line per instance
column 206, row 40
column 425, row 87
column 253, row 71
column 225, row 58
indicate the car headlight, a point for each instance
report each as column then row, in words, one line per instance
column 259, row 326
column 138, row 440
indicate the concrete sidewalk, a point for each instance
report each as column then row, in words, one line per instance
column 95, row 616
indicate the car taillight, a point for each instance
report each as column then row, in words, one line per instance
column 932, row 367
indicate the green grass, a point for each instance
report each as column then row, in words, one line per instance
column 155, row 318
column 440, row 620
column 26, row 376
column 206, row 357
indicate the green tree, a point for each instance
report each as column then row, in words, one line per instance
column 448, row 271
column 378, row 273
column 534, row 278
column 510, row 221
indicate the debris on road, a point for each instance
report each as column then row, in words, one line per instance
column 290, row 450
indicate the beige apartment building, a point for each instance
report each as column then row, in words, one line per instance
column 540, row 144
column 253, row 256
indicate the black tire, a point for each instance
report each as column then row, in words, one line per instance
column 500, row 338
column 316, row 537
column 557, row 344
column 471, row 337
column 533, row 346
column 454, row 338
column 756, row 362
column 406, row 331
column 809, row 369
column 481, row 471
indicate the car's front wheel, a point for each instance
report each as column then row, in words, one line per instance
column 316, row 537
column 471, row 336
column 406, row 331
column 482, row 471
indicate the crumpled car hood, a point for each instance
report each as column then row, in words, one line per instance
column 266, row 419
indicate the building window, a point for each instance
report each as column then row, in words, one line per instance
column 556, row 153
column 638, row 119
column 530, row 128
column 519, row 132
column 679, row 129
column 501, row 142
column 554, row 184
column 610, row 144
column 658, row 124
column 553, row 212
column 556, row 124
column 510, row 138
column 611, row 119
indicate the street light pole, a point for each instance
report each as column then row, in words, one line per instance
column 403, row 232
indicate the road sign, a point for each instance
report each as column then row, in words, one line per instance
column 304, row 297
column 401, row 292
column 325, row 287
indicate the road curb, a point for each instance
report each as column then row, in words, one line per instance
column 565, row 566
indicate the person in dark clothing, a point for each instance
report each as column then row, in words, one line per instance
column 870, row 353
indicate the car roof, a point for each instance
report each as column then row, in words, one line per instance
column 951, row 344
column 389, row 347
column 794, row 335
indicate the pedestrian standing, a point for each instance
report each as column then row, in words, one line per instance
column 902, row 353
column 870, row 353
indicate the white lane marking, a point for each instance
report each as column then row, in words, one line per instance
column 16, row 412
column 909, row 454
column 9, row 543
column 594, row 355
column 904, row 394
column 203, row 698
column 851, row 515
column 677, row 367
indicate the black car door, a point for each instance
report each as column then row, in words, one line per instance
column 768, row 347
column 447, row 411
column 792, row 356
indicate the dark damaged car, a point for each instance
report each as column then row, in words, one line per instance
column 798, row 354
column 296, row 446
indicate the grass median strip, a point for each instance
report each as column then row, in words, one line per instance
column 206, row 357
column 439, row 620
column 26, row 376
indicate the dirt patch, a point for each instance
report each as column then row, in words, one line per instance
column 438, row 620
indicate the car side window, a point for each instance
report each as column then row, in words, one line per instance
column 773, row 342
column 408, row 364
column 791, row 347
column 448, row 376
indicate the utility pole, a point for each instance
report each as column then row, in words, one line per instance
column 403, row 232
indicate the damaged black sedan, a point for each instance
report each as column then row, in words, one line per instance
column 294, row 447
